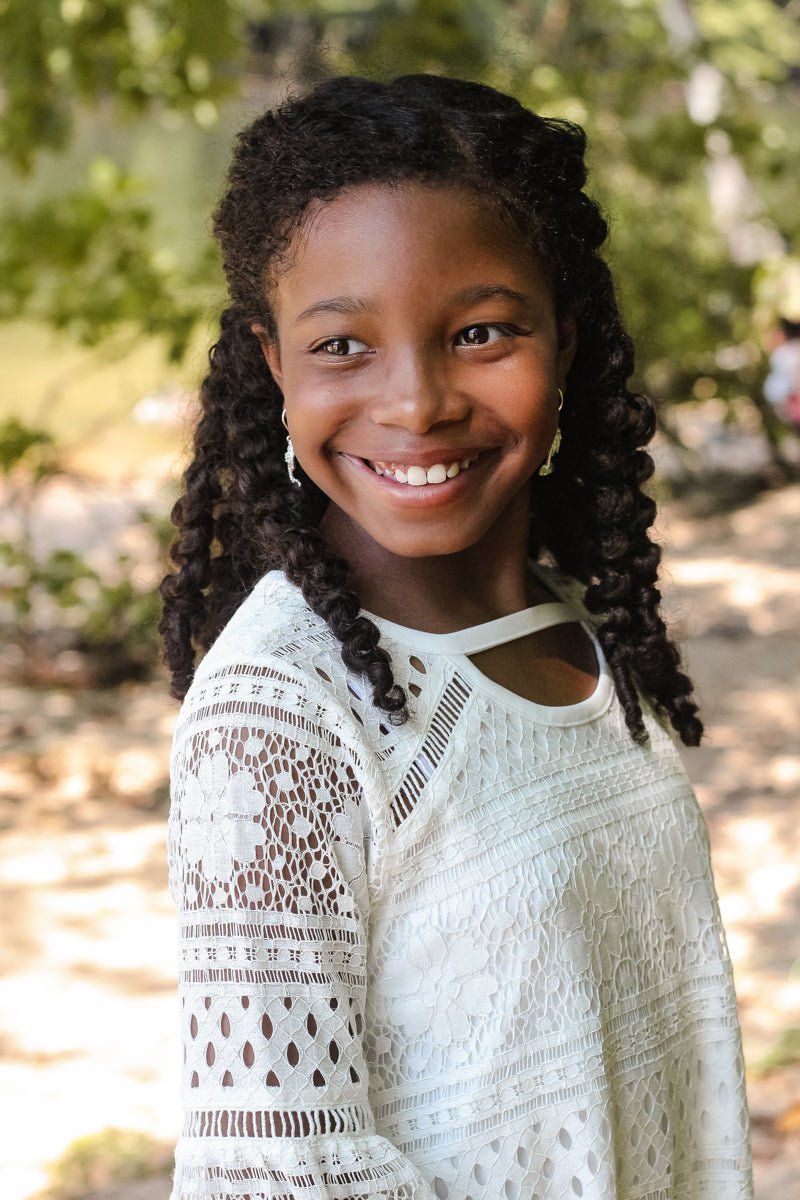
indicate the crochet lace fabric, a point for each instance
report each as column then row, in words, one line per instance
column 475, row 957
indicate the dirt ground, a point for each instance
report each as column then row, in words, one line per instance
column 87, row 957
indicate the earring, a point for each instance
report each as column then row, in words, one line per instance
column 289, row 455
column 547, row 466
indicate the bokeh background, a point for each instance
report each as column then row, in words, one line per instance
column 116, row 118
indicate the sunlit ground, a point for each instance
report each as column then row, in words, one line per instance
column 733, row 591
column 87, row 1003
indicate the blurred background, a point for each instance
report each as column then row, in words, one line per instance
column 116, row 118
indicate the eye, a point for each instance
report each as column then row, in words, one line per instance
column 339, row 347
column 486, row 334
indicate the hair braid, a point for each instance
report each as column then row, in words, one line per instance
column 323, row 578
column 605, row 426
column 183, row 592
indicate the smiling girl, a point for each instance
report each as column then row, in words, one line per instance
column 449, row 925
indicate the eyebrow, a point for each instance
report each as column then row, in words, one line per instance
column 336, row 304
column 470, row 295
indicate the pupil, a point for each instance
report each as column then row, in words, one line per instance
column 477, row 334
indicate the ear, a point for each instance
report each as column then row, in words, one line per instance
column 271, row 352
column 567, row 345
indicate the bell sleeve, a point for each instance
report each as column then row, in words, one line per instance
column 269, row 842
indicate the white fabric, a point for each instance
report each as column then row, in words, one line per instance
column 784, row 372
column 477, row 956
column 484, row 636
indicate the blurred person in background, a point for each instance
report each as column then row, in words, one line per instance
column 782, row 385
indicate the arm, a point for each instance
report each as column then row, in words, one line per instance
column 268, row 868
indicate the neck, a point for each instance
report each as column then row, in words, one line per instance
column 444, row 592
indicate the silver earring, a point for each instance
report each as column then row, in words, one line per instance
column 289, row 455
column 547, row 466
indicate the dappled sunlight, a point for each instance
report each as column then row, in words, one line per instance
column 88, row 1004
column 765, row 593
column 732, row 590
column 89, row 958
column 93, row 1001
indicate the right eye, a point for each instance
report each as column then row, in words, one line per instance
column 339, row 347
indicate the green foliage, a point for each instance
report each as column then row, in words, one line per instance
column 627, row 70
column 681, row 102
column 24, row 443
column 106, row 619
column 98, row 1160
column 56, row 54
column 785, row 1052
column 124, row 618
column 88, row 265
column 113, row 615
column 113, row 620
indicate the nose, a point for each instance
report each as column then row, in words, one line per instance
column 417, row 393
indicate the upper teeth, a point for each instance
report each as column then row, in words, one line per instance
column 418, row 475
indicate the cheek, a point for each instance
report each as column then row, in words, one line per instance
column 525, row 396
column 305, row 392
column 318, row 409
column 322, row 397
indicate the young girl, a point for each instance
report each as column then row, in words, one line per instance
column 449, row 926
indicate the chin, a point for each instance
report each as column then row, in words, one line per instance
column 426, row 545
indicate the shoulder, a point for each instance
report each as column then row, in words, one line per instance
column 275, row 678
column 272, row 619
column 277, row 667
column 276, row 660
column 276, row 634
column 269, row 692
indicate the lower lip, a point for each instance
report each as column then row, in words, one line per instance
column 424, row 495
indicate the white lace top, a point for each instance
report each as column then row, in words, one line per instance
column 477, row 956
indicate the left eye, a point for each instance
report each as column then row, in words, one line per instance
column 483, row 335
column 340, row 347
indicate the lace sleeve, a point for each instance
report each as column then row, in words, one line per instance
column 269, row 841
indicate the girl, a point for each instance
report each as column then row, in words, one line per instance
column 449, row 926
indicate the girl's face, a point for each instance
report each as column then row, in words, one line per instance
column 414, row 329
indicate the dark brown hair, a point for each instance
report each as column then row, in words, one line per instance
column 239, row 515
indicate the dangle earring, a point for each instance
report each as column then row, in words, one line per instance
column 289, row 455
column 547, row 466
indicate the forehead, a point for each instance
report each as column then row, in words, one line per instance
column 402, row 240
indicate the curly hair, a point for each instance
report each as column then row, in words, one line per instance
column 239, row 515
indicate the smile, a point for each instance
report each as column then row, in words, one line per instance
column 423, row 488
column 417, row 476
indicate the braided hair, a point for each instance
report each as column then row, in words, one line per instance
column 239, row 515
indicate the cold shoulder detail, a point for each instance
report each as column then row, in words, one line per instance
column 478, row 956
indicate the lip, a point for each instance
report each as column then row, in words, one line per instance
column 425, row 495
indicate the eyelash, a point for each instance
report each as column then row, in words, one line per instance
column 503, row 326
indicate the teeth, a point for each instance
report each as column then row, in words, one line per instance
column 417, row 476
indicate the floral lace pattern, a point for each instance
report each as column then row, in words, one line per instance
column 213, row 834
column 475, row 957
column 421, row 974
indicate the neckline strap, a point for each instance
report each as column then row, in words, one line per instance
column 489, row 633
